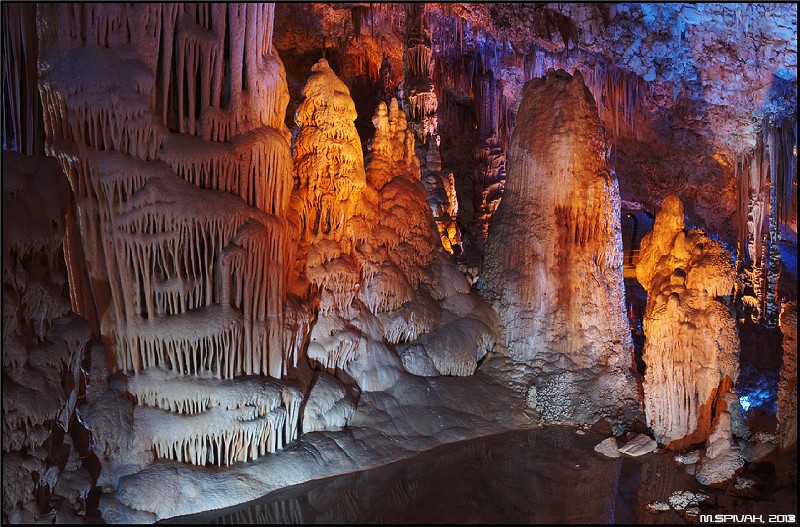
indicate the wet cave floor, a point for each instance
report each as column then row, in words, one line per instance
column 541, row 475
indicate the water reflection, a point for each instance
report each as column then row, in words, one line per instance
column 549, row 475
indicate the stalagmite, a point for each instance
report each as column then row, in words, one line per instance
column 723, row 457
column 553, row 262
column 327, row 155
column 369, row 244
column 692, row 345
column 328, row 407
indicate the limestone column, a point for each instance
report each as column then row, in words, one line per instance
column 553, row 261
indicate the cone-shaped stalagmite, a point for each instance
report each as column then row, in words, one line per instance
column 692, row 346
column 553, row 263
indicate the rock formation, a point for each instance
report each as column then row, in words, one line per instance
column 723, row 457
column 189, row 286
column 179, row 161
column 43, row 348
column 553, row 263
column 328, row 407
column 692, row 345
column 421, row 104
column 368, row 249
column 787, row 385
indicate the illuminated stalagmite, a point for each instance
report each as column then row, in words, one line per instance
column 371, row 253
column 171, row 133
column 692, row 346
column 553, row 263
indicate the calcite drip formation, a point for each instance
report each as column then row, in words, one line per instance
column 692, row 347
column 181, row 169
column 43, row 347
column 372, row 262
column 203, row 253
column 421, row 102
column 553, row 271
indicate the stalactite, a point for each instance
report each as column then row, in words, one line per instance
column 250, row 416
column 765, row 180
column 255, row 165
column 23, row 128
column 742, row 166
column 180, row 163
column 782, row 142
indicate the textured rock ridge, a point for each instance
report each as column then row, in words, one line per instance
column 170, row 131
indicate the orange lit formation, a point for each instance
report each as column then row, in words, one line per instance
column 692, row 346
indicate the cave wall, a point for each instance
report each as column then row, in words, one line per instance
column 179, row 161
column 44, row 347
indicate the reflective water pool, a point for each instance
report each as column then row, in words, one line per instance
column 549, row 475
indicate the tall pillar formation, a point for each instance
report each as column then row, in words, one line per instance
column 553, row 262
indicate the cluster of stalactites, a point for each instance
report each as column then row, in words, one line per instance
column 195, row 87
column 619, row 95
column 421, row 100
column 207, row 421
column 23, row 130
column 765, row 185
column 421, row 105
column 182, row 269
column 618, row 92
column 256, row 166
column 473, row 74
column 418, row 61
column 189, row 278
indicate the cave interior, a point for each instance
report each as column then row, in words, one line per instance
column 251, row 246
